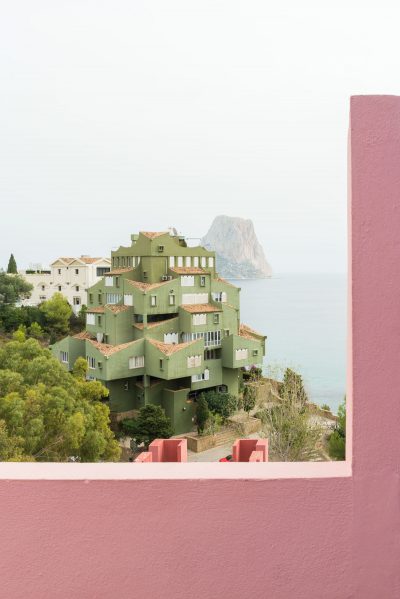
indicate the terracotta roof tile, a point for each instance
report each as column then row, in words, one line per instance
column 117, row 308
column 168, row 348
column 151, row 325
column 108, row 350
column 118, row 271
column 198, row 308
column 96, row 310
column 89, row 260
column 247, row 332
column 83, row 335
column 153, row 234
column 189, row 270
column 145, row 286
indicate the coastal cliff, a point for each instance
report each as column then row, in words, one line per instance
column 239, row 253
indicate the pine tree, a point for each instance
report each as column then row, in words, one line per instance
column 202, row 413
column 12, row 266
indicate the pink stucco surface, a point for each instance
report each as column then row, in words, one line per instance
column 169, row 450
column 316, row 531
column 243, row 449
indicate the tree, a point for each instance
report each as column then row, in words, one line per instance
column 13, row 288
column 77, row 323
column 337, row 439
column 293, row 432
column 223, row 404
column 293, row 388
column 47, row 414
column 35, row 331
column 152, row 423
column 249, row 398
column 202, row 413
column 80, row 368
column 12, row 265
column 57, row 312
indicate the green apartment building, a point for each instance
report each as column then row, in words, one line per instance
column 162, row 327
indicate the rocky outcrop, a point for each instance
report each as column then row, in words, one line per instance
column 239, row 253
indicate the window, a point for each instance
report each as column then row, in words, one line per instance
column 42, row 298
column 160, row 248
column 99, row 298
column 255, row 352
column 195, row 298
column 171, row 338
column 180, row 261
column 109, row 281
column 171, row 261
column 90, row 298
column 153, row 300
column 136, row 362
column 77, row 271
column 99, row 320
column 76, row 287
column 90, row 318
column 145, row 274
column 76, row 301
column 187, row 281
column 199, row 319
column 91, row 362
column 193, row 361
column 211, row 262
column 241, row 354
column 43, row 287
column 219, row 296
column 101, row 270
column 216, row 318
column 117, row 281
column 113, row 298
column 172, row 300
column 59, row 288
column 196, row 261
column 202, row 281
column 188, row 261
column 128, row 299
column 226, row 332
column 203, row 261
column 161, row 364
column 212, row 354
column 204, row 376
column 64, row 357
column 211, row 338
column 59, row 271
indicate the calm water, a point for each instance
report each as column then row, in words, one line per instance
column 304, row 317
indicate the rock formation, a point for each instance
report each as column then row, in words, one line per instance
column 239, row 253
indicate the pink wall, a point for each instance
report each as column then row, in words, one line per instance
column 243, row 449
column 169, row 450
column 180, row 530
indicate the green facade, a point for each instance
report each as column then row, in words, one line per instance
column 161, row 328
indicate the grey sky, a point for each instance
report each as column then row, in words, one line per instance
column 117, row 116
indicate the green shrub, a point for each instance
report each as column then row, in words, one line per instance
column 223, row 404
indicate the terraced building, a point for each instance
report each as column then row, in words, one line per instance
column 162, row 327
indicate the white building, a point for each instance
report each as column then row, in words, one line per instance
column 70, row 276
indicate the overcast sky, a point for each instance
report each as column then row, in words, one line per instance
column 119, row 116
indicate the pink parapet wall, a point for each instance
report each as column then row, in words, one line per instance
column 250, row 450
column 165, row 450
column 313, row 531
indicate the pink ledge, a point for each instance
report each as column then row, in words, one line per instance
column 174, row 471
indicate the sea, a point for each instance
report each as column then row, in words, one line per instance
column 305, row 319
